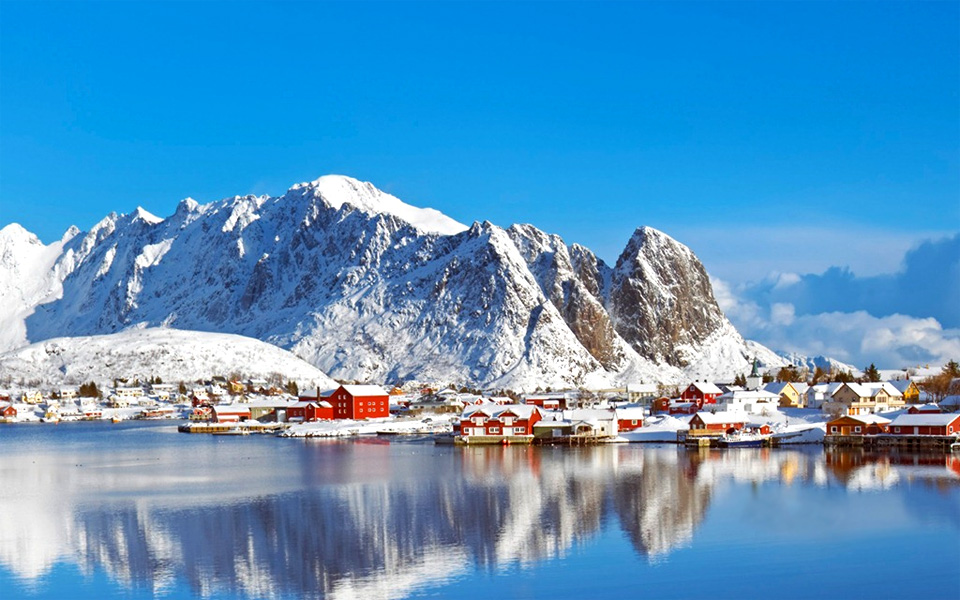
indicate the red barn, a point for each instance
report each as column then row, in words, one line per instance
column 499, row 420
column 359, row 402
column 701, row 392
column 926, row 424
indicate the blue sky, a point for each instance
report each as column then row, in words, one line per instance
column 767, row 136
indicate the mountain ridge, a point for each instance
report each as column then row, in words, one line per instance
column 366, row 287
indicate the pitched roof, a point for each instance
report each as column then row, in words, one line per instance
column 925, row 420
column 777, row 387
column 494, row 411
column 721, row 417
column 364, row 390
column 867, row 419
column 706, row 387
column 901, row 384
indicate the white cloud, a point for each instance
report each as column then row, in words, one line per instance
column 858, row 338
column 752, row 252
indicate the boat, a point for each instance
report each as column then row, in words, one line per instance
column 955, row 447
column 743, row 440
column 116, row 419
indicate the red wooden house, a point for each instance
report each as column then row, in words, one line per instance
column 701, row 392
column 629, row 418
column 499, row 420
column 359, row 402
column 228, row 413
column 8, row 412
column 926, row 424
column 705, row 423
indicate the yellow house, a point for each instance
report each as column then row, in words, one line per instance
column 31, row 397
column 789, row 396
column 910, row 391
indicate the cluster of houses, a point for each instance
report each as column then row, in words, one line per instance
column 546, row 418
column 149, row 401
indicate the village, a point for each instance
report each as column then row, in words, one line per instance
column 757, row 412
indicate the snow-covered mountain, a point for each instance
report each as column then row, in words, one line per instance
column 811, row 363
column 171, row 354
column 367, row 287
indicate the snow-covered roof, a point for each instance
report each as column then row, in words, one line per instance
column 901, row 384
column 364, row 390
column 875, row 387
column 706, row 387
column 748, row 395
column 720, row 417
column 867, row 419
column 230, row 409
column 925, row 419
column 777, row 387
column 630, row 412
column 587, row 414
column 494, row 411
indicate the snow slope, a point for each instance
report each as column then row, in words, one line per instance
column 171, row 354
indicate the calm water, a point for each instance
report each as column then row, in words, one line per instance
column 136, row 510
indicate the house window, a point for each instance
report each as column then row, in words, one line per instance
column 856, row 429
column 897, row 429
column 494, row 430
column 633, row 422
column 833, row 429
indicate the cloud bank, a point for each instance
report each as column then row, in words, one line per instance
column 894, row 320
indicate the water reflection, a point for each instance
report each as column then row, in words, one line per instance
column 272, row 518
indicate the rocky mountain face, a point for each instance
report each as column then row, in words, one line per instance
column 366, row 287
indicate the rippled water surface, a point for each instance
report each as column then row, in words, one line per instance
column 96, row 510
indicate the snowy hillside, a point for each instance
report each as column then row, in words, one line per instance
column 367, row 287
column 171, row 354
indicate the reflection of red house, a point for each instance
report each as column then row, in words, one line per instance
column 497, row 420
column 701, row 392
column 310, row 411
column 359, row 402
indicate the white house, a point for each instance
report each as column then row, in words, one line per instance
column 755, row 402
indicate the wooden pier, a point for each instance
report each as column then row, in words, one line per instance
column 920, row 443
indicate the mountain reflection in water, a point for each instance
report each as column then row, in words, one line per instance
column 370, row 519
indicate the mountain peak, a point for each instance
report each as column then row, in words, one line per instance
column 337, row 190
